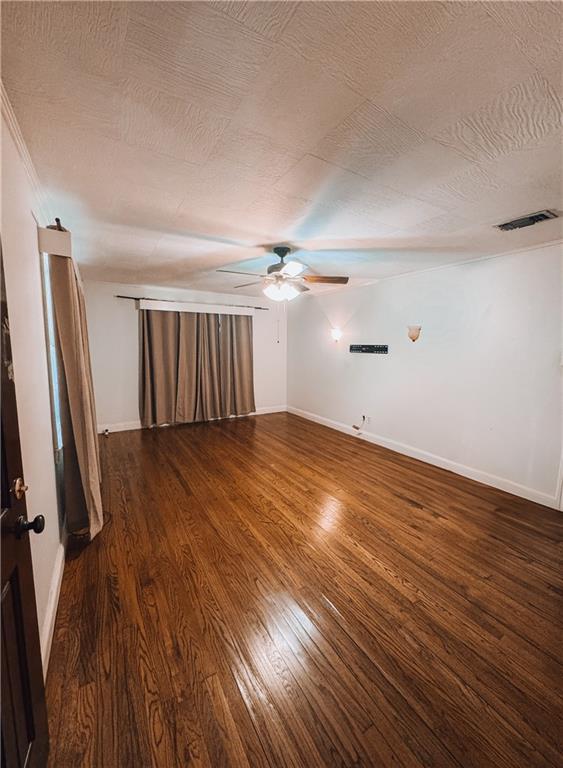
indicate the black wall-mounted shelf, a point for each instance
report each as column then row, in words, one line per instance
column 371, row 349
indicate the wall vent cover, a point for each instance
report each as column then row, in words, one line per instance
column 527, row 221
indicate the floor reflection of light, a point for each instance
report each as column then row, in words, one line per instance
column 330, row 513
column 278, row 644
column 303, row 619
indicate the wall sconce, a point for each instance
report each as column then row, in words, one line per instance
column 414, row 331
column 336, row 334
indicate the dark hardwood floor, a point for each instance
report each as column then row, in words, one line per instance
column 269, row 592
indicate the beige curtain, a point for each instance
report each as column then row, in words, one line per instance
column 72, row 499
column 84, row 515
column 194, row 367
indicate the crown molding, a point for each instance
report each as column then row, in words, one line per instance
column 468, row 262
column 42, row 211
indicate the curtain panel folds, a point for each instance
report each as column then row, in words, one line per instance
column 194, row 367
column 82, row 473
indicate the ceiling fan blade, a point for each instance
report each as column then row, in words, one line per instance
column 300, row 287
column 234, row 272
column 326, row 279
column 293, row 268
column 245, row 285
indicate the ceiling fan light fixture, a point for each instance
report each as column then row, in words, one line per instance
column 290, row 291
column 280, row 291
column 273, row 291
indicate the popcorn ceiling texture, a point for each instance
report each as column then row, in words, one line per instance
column 174, row 138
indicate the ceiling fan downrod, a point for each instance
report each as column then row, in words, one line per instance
column 281, row 251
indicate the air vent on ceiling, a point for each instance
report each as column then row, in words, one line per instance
column 527, row 221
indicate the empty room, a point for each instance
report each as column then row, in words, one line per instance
column 282, row 384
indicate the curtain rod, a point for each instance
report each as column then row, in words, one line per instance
column 174, row 301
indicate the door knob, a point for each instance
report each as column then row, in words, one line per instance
column 37, row 525
column 19, row 488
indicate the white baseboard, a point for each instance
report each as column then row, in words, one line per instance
column 122, row 426
column 438, row 461
column 270, row 409
column 48, row 628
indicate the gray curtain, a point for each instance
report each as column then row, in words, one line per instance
column 194, row 367
column 83, row 501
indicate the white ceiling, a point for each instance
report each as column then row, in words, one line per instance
column 176, row 137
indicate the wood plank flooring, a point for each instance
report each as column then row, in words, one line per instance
column 270, row 592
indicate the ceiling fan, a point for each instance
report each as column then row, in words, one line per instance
column 283, row 280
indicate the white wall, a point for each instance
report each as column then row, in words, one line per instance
column 113, row 327
column 25, row 307
column 479, row 393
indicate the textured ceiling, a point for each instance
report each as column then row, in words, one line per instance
column 173, row 138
